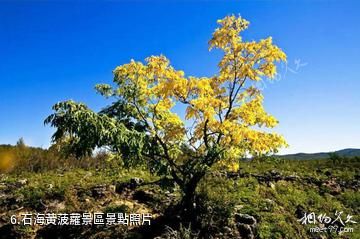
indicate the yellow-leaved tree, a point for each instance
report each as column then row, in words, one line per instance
column 224, row 118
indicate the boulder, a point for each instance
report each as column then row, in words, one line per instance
column 143, row 196
column 136, row 181
column 300, row 211
column 246, row 225
column 333, row 187
column 22, row 182
column 99, row 191
column 132, row 184
column 245, row 219
column 245, row 231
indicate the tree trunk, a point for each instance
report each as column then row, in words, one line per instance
column 188, row 201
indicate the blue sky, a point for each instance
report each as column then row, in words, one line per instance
column 53, row 51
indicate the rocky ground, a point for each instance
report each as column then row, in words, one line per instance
column 262, row 200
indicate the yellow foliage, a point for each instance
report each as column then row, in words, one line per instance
column 225, row 110
column 7, row 161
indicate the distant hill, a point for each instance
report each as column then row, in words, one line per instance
column 323, row 155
